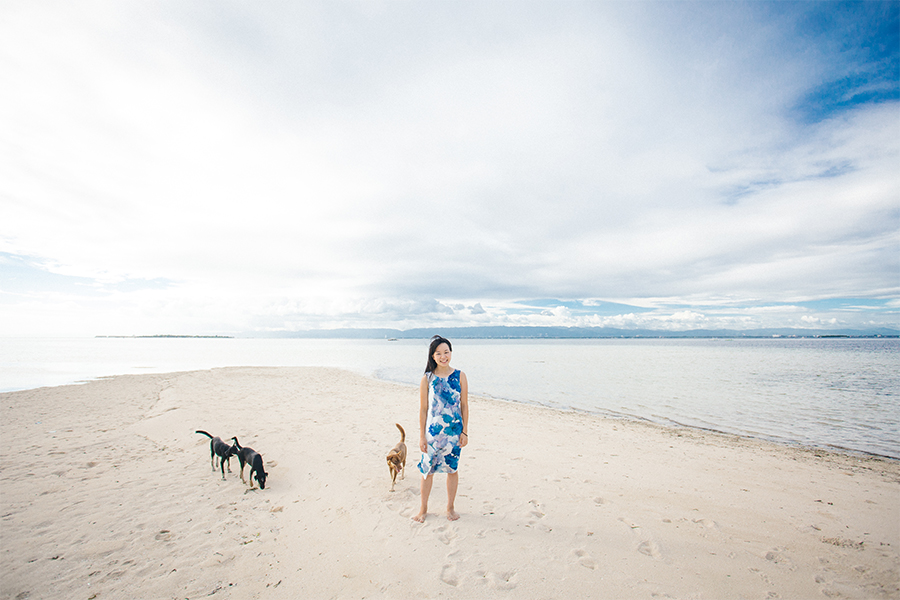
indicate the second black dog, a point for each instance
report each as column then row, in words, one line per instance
column 249, row 456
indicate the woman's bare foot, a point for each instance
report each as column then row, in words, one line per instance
column 452, row 515
column 419, row 518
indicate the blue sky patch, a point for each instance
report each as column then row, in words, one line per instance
column 26, row 275
column 865, row 39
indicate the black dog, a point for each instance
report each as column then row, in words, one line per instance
column 218, row 448
column 249, row 456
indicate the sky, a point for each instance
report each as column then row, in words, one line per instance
column 219, row 167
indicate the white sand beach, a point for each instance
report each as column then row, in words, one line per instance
column 107, row 492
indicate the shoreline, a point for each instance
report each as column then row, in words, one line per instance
column 671, row 424
column 774, row 404
column 666, row 423
column 674, row 425
column 105, row 486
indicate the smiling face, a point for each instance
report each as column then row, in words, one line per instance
column 438, row 354
column 442, row 356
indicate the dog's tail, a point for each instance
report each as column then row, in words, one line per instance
column 236, row 444
column 204, row 433
column 402, row 433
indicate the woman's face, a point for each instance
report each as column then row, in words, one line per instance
column 442, row 355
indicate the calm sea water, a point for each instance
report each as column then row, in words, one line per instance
column 840, row 393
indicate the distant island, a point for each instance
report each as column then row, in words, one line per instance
column 168, row 336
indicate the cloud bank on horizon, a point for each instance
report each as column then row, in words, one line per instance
column 223, row 167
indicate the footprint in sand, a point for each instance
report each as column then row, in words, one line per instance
column 650, row 548
column 761, row 575
column 708, row 523
column 449, row 576
column 776, row 556
column 446, row 534
column 584, row 559
column 501, row 581
column 534, row 513
column 646, row 546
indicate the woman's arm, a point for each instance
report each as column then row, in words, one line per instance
column 423, row 413
column 464, row 408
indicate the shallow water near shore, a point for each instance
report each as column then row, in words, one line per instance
column 840, row 393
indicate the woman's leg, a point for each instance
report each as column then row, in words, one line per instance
column 425, row 492
column 452, row 485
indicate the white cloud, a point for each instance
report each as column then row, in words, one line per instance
column 816, row 321
column 292, row 166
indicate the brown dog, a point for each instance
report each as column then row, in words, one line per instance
column 396, row 458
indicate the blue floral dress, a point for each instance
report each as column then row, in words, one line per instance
column 443, row 425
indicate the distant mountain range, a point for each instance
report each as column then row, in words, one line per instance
column 499, row 332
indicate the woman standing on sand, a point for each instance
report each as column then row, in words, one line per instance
column 443, row 421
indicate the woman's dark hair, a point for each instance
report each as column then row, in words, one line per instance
column 435, row 342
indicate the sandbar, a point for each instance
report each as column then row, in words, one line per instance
column 107, row 492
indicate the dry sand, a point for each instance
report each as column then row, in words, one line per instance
column 107, row 492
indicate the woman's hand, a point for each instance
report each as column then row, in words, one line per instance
column 463, row 439
column 423, row 445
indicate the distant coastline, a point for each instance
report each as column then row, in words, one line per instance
column 167, row 336
column 537, row 333
column 501, row 332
